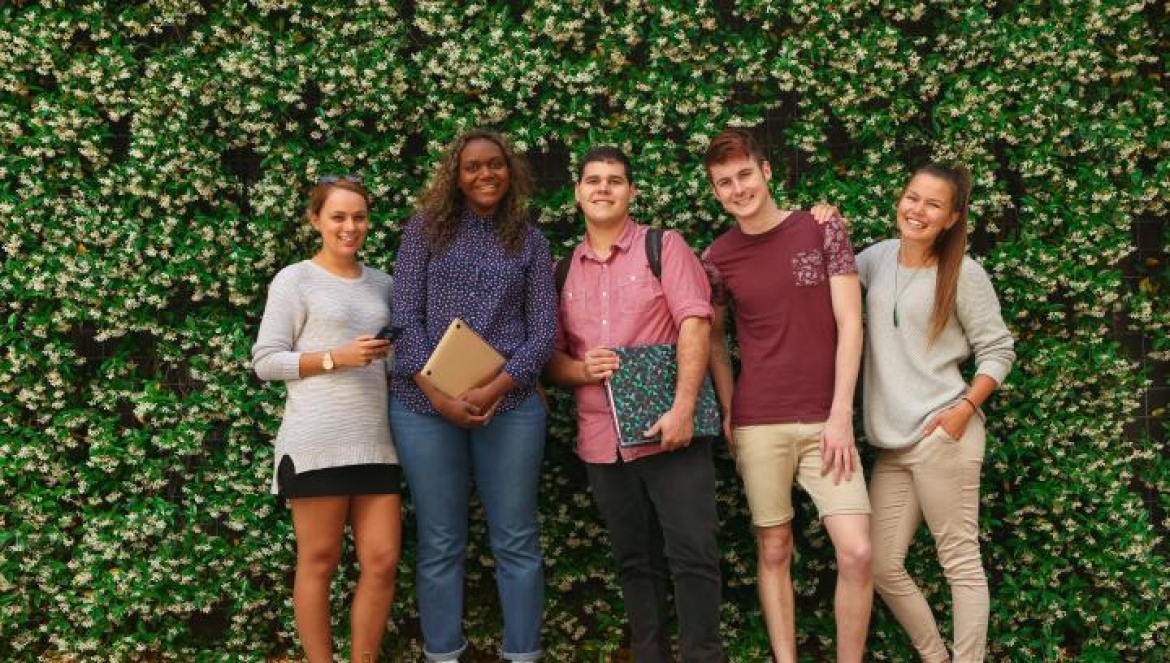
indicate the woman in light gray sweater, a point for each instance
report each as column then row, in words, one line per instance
column 929, row 308
column 335, row 461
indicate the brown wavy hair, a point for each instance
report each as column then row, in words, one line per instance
column 731, row 143
column 442, row 201
column 320, row 193
column 951, row 244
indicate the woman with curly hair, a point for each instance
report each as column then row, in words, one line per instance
column 470, row 252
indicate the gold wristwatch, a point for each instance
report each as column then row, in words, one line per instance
column 327, row 361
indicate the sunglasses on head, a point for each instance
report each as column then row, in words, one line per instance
column 334, row 179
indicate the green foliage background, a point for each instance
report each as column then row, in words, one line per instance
column 154, row 157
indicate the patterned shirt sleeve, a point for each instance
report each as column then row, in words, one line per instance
column 540, row 311
column 409, row 308
column 838, row 250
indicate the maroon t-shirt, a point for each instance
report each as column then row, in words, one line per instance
column 778, row 285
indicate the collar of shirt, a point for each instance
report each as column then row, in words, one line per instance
column 471, row 215
column 623, row 244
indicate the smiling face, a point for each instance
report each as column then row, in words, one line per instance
column 604, row 193
column 343, row 222
column 741, row 185
column 483, row 176
column 926, row 209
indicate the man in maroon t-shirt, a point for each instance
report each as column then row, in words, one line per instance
column 793, row 286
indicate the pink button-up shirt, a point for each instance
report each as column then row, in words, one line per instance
column 618, row 302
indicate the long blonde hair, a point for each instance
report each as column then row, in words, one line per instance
column 951, row 244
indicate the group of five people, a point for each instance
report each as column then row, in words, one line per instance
column 794, row 287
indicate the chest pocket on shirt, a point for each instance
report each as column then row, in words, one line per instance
column 808, row 268
column 577, row 309
column 576, row 301
column 638, row 293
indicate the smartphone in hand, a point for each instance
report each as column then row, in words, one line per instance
column 388, row 333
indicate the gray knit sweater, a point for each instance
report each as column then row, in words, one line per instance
column 336, row 418
column 907, row 380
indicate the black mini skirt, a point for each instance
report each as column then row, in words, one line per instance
column 347, row 480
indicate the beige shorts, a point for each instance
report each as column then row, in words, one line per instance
column 770, row 456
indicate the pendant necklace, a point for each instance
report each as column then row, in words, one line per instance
column 898, row 291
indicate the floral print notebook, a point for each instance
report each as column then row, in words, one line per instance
column 642, row 390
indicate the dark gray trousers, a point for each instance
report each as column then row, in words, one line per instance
column 660, row 512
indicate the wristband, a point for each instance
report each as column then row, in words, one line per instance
column 974, row 407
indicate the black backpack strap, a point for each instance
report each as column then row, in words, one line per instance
column 653, row 251
column 562, row 272
column 653, row 256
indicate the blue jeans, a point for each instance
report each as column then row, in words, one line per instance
column 504, row 458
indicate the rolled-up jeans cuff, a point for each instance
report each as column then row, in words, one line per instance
column 530, row 656
column 450, row 656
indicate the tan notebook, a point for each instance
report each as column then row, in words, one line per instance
column 462, row 360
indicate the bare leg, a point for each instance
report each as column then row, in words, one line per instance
column 377, row 533
column 854, row 595
column 319, row 523
column 774, row 555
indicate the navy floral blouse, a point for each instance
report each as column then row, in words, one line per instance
column 510, row 300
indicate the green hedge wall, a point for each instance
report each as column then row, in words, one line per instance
column 154, row 158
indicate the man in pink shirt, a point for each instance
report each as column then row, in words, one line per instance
column 794, row 289
column 657, row 499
